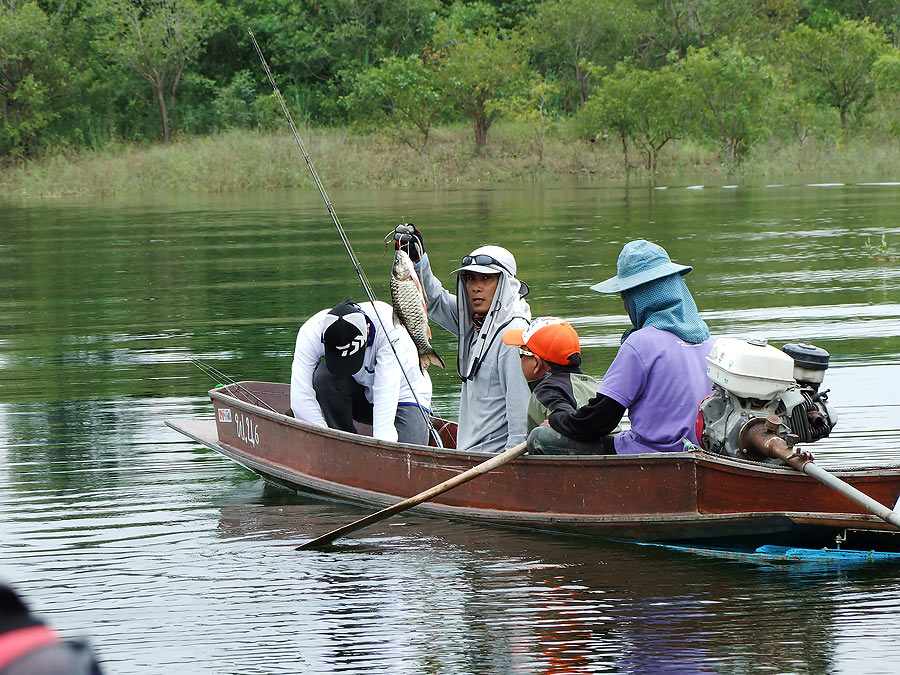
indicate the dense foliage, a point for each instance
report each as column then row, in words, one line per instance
column 639, row 73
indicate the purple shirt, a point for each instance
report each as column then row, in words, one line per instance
column 661, row 380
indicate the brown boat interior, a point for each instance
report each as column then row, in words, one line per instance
column 277, row 397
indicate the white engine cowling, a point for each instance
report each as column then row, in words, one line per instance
column 751, row 379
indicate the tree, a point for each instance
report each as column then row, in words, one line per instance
column 478, row 66
column 317, row 47
column 639, row 105
column 33, row 72
column 564, row 36
column 532, row 106
column 887, row 78
column 676, row 25
column 156, row 39
column 797, row 118
column 728, row 94
column 835, row 66
column 886, row 71
column 400, row 94
column 825, row 13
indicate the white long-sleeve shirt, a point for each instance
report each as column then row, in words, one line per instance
column 380, row 375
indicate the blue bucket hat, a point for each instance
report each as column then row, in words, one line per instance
column 639, row 262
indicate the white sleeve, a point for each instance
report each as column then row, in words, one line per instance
column 307, row 353
column 385, row 389
column 441, row 302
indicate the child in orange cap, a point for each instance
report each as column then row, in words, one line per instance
column 550, row 356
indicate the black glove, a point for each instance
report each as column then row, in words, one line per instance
column 408, row 238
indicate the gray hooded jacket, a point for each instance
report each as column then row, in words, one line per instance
column 494, row 398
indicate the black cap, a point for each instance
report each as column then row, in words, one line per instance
column 345, row 340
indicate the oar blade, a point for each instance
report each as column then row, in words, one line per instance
column 449, row 484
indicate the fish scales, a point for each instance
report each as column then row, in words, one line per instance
column 410, row 308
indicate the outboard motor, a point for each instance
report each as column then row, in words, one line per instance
column 756, row 384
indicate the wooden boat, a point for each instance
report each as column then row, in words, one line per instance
column 694, row 498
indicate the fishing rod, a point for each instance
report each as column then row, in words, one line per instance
column 343, row 235
column 217, row 375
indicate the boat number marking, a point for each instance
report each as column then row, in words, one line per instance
column 224, row 414
column 247, row 431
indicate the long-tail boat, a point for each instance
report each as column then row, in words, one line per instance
column 693, row 498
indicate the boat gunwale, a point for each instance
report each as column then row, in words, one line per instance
column 698, row 457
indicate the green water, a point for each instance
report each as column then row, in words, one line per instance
column 173, row 560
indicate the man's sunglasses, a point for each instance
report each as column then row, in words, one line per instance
column 483, row 259
column 524, row 352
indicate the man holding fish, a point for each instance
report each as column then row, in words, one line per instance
column 488, row 301
column 347, row 366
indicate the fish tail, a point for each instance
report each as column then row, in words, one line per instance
column 429, row 359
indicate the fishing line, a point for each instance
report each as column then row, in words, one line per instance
column 217, row 375
column 343, row 235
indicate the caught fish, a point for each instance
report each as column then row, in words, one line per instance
column 410, row 308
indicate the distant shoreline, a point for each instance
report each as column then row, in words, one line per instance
column 251, row 160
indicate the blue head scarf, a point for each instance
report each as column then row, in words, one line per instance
column 665, row 303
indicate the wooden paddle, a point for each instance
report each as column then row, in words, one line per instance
column 449, row 484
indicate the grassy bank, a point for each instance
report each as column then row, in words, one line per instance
column 241, row 160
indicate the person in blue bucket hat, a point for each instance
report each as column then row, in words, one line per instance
column 659, row 372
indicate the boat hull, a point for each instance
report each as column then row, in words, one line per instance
column 692, row 497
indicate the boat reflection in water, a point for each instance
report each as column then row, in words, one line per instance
column 459, row 597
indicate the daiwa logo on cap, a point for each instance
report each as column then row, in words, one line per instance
column 345, row 340
column 353, row 346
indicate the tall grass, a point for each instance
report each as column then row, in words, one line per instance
column 241, row 159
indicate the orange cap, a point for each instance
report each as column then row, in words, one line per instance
column 550, row 338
